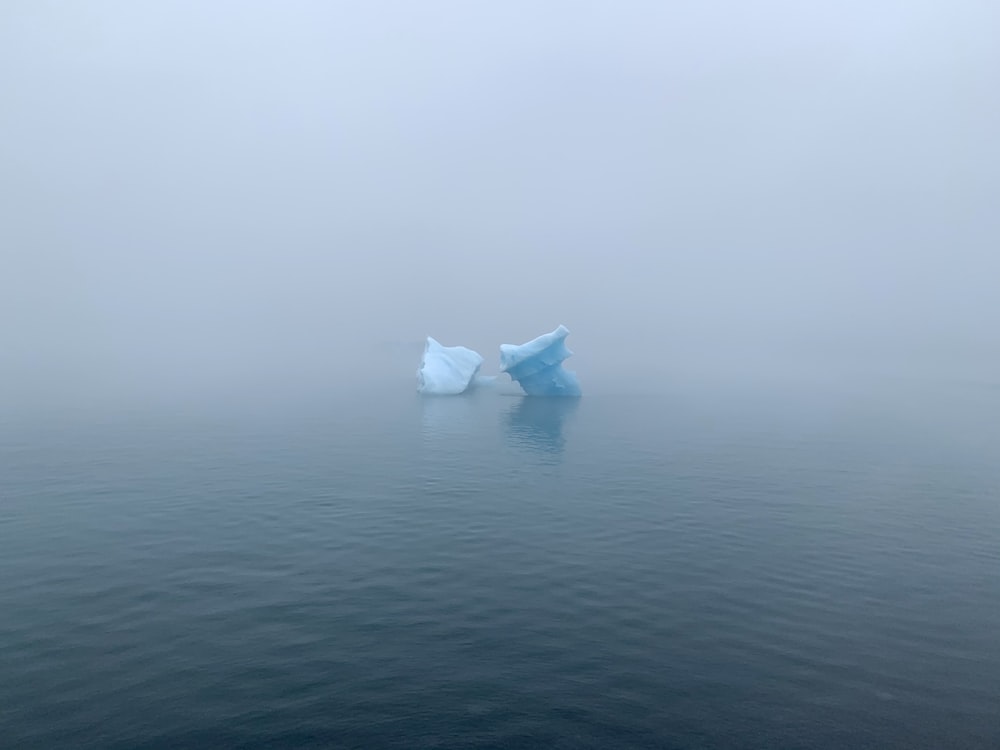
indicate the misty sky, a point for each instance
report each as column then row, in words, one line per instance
column 193, row 193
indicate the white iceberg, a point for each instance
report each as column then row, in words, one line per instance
column 537, row 365
column 447, row 370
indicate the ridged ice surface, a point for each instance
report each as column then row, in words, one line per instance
column 537, row 365
column 689, row 570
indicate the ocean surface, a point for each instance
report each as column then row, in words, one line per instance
column 699, row 566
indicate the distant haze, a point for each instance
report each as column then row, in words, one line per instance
column 202, row 196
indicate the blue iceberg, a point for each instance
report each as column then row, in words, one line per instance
column 447, row 370
column 537, row 365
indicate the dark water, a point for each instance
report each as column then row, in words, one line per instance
column 703, row 568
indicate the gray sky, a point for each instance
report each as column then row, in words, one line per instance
column 200, row 193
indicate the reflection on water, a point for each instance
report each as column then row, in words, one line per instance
column 536, row 422
column 448, row 417
column 468, row 423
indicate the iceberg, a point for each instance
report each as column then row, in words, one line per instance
column 537, row 365
column 447, row 370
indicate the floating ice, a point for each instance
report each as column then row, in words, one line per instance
column 446, row 370
column 537, row 365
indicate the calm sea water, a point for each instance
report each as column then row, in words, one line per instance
column 701, row 568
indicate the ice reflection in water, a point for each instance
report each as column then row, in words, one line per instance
column 536, row 423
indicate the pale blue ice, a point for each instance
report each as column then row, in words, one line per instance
column 446, row 370
column 537, row 365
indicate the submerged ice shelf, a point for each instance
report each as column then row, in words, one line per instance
column 446, row 370
column 537, row 365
